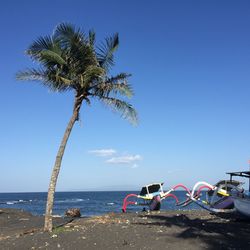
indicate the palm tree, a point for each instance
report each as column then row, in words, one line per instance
column 70, row 60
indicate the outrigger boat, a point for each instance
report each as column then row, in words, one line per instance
column 241, row 199
column 151, row 196
column 224, row 196
column 218, row 197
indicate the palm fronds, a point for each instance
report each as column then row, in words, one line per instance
column 105, row 53
column 124, row 108
column 32, row 75
column 42, row 43
column 51, row 56
column 92, row 38
column 48, row 79
column 114, row 86
column 69, row 60
column 67, row 34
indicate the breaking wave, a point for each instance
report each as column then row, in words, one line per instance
column 71, row 200
column 15, row 202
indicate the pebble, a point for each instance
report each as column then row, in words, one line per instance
column 24, row 219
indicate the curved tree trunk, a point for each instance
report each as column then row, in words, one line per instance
column 53, row 180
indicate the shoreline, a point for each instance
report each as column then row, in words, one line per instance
column 193, row 229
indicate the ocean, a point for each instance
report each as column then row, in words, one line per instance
column 90, row 203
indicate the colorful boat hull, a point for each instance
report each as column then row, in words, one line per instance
column 242, row 205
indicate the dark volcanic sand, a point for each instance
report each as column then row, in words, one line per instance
column 157, row 230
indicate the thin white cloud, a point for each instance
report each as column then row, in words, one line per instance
column 103, row 152
column 127, row 159
column 135, row 165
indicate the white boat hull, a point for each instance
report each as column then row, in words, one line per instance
column 242, row 205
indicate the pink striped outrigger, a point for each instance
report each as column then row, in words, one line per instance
column 152, row 195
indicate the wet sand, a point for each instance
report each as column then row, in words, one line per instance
column 156, row 230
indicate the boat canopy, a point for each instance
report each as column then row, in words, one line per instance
column 151, row 188
column 241, row 174
column 245, row 174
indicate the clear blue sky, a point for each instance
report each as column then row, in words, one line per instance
column 190, row 62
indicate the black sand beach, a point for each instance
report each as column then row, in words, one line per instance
column 157, row 230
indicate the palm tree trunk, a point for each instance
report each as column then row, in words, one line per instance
column 53, row 180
